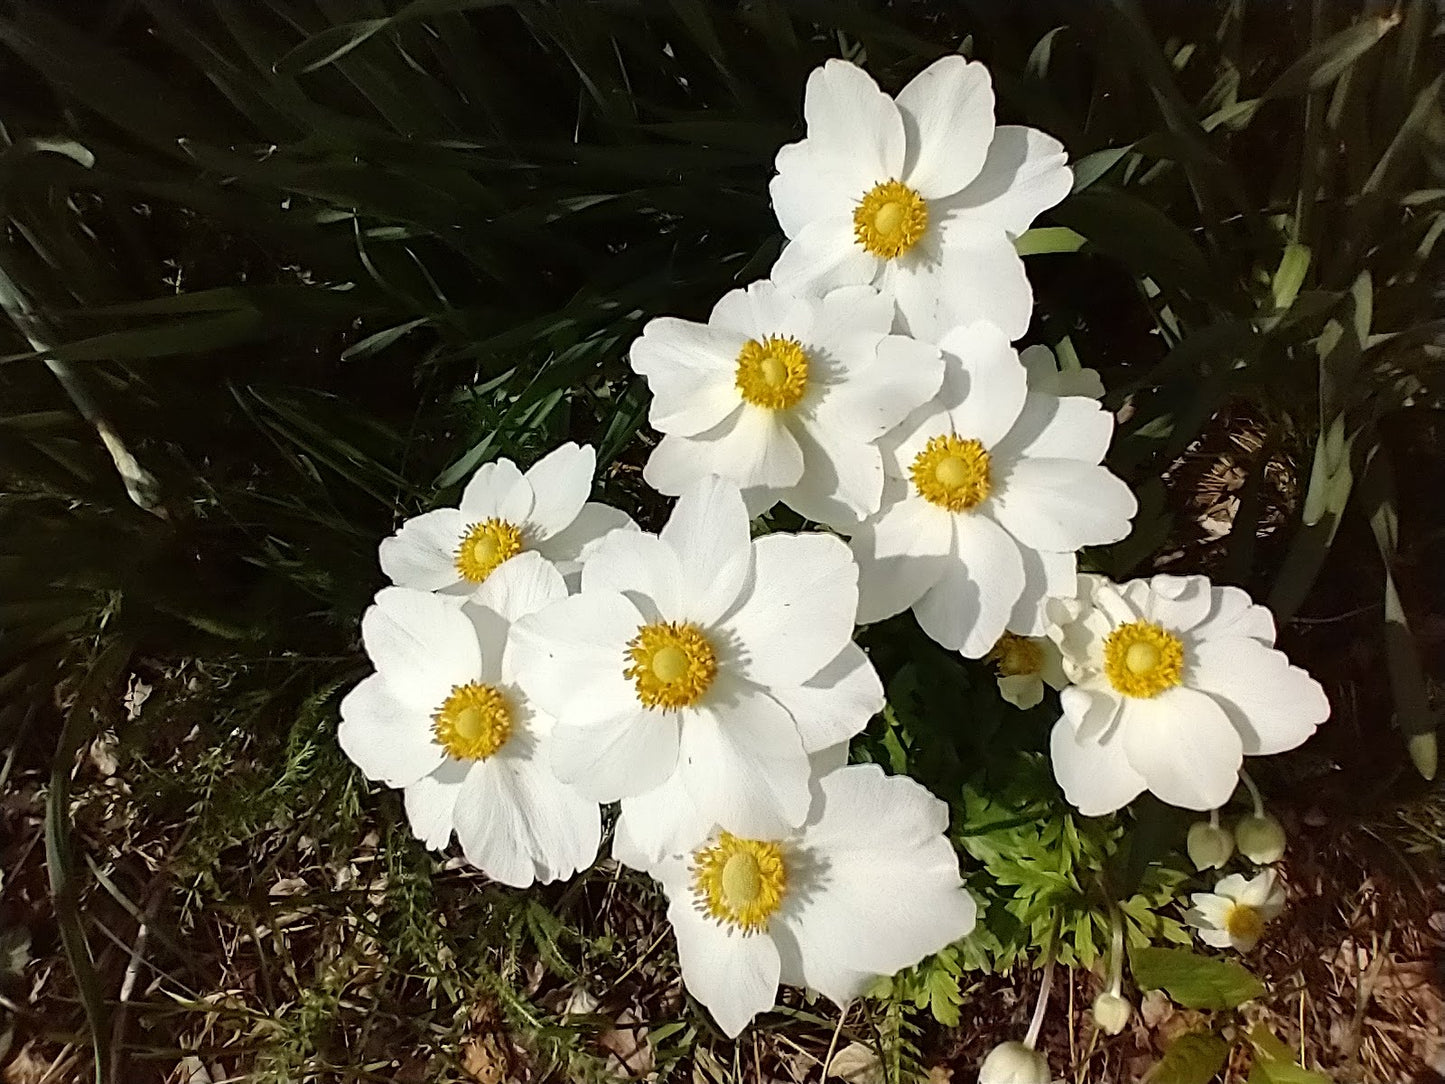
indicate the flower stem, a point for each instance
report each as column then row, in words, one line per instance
column 1253, row 792
column 1041, row 1007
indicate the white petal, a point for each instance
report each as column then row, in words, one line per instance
column 963, row 275
column 735, row 975
column 1046, row 575
column 1091, row 712
column 488, row 489
column 751, row 448
column 562, row 481
column 1184, row 746
column 566, row 548
column 837, row 702
column 1052, row 428
column 520, row 586
column 969, row 606
column 1023, row 691
column 812, row 183
column 422, row 554
column 1025, row 174
column 568, row 655
column 662, row 821
column 761, row 309
column 851, row 121
column 1273, row 705
column 640, row 566
column 1096, row 776
column 489, row 826
column 617, row 753
column 742, row 760
column 948, row 117
column 797, row 610
column 389, row 741
column 429, row 803
column 689, row 368
column 1176, row 602
column 873, row 399
column 1061, row 504
column 1234, row 613
column 842, row 479
column 563, row 829
column 708, row 530
column 984, row 384
column 850, row 322
column 421, row 644
column 888, row 891
column 900, row 555
column 823, row 256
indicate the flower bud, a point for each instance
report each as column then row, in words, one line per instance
column 1112, row 1012
column 1014, row 1063
column 1261, row 839
column 1209, row 845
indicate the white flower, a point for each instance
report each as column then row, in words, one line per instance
column 785, row 396
column 503, row 513
column 1261, row 838
column 443, row 718
column 991, row 490
column 703, row 659
column 1210, row 846
column 1025, row 664
column 1046, row 376
column 1014, row 1063
column 1235, row 913
column 870, row 885
column 921, row 196
column 1175, row 682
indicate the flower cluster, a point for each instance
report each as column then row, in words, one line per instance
column 540, row 656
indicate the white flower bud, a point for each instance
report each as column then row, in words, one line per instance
column 1209, row 845
column 1261, row 839
column 1112, row 1012
column 1014, row 1063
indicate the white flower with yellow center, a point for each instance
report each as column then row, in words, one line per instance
column 868, row 886
column 991, row 490
column 503, row 513
column 1235, row 914
column 785, row 396
column 921, row 196
column 1024, row 665
column 444, row 719
column 1175, row 681
column 703, row 659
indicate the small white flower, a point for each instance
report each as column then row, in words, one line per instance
column 1175, row 682
column 869, row 886
column 503, row 513
column 1210, row 846
column 1046, row 376
column 921, row 196
column 1235, row 913
column 1261, row 838
column 443, row 718
column 1014, row 1063
column 1025, row 664
column 703, row 659
column 785, row 396
column 1112, row 1012
column 991, row 490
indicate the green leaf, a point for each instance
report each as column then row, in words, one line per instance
column 1274, row 1063
column 1046, row 239
column 1196, row 982
column 1328, row 60
column 1294, row 264
column 1194, row 1058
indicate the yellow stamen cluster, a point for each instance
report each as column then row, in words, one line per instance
column 772, row 372
column 1243, row 922
column 890, row 219
column 473, row 722
column 739, row 882
column 1143, row 659
column 952, row 473
column 671, row 665
column 1014, row 655
column 485, row 546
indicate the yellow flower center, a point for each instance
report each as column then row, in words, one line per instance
column 772, row 372
column 952, row 473
column 1243, row 922
column 1142, row 659
column 889, row 219
column 473, row 722
column 671, row 665
column 739, row 882
column 1016, row 655
column 485, row 546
